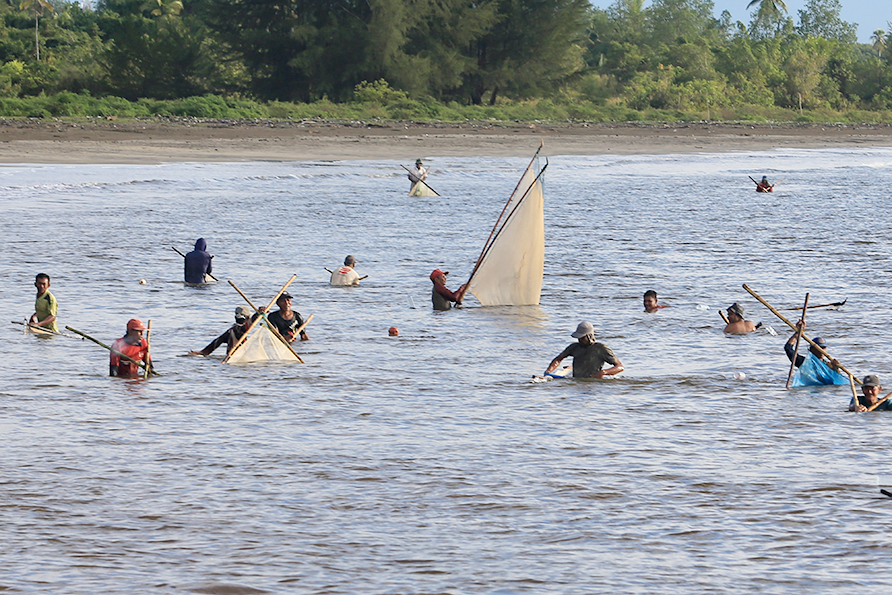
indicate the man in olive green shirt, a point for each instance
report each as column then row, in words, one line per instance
column 45, row 305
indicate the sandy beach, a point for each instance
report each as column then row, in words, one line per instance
column 165, row 141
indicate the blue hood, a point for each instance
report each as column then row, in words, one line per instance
column 200, row 244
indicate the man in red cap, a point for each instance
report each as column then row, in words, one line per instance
column 134, row 346
column 441, row 297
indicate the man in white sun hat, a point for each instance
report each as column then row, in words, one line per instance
column 588, row 355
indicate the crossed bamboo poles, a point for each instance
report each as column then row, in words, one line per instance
column 821, row 350
column 263, row 317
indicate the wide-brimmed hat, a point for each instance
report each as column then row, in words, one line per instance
column 242, row 312
column 582, row 329
column 736, row 308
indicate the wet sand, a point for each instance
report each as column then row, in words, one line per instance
column 163, row 141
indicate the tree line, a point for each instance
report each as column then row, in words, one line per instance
column 670, row 55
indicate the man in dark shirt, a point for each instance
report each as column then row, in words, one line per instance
column 441, row 297
column 286, row 320
column 243, row 320
column 198, row 263
column 871, row 389
column 588, row 356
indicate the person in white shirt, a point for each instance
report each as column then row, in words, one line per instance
column 345, row 275
column 418, row 174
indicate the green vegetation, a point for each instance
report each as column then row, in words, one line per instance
column 439, row 60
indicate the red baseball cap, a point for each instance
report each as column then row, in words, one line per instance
column 436, row 273
column 135, row 324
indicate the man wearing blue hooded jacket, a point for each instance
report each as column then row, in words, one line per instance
column 198, row 263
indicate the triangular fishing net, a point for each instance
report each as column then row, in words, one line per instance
column 261, row 346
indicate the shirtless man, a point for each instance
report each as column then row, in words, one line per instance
column 736, row 324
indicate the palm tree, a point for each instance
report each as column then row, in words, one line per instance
column 159, row 8
column 769, row 7
column 770, row 14
column 879, row 41
column 37, row 7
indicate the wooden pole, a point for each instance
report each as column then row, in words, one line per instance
column 725, row 318
column 834, row 304
column 774, row 311
column 101, row 344
column 854, row 393
column 184, row 256
column 148, row 347
column 796, row 349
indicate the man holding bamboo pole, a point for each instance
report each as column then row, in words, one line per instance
column 133, row 347
column 812, row 368
column 286, row 320
column 870, row 401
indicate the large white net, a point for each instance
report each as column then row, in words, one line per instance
column 261, row 346
column 421, row 189
column 510, row 272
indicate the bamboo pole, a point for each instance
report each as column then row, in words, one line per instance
column 774, row 311
column 796, row 349
column 184, row 256
column 725, row 318
column 854, row 393
column 834, row 304
column 101, row 344
column 148, row 369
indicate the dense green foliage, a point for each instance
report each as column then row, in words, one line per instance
column 439, row 59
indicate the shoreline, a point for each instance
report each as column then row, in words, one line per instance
column 156, row 141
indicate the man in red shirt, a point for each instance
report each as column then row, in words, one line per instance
column 441, row 297
column 134, row 346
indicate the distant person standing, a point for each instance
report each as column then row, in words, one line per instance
column 419, row 174
column 45, row 306
column 345, row 275
column 198, row 263
column 763, row 185
column 441, row 297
